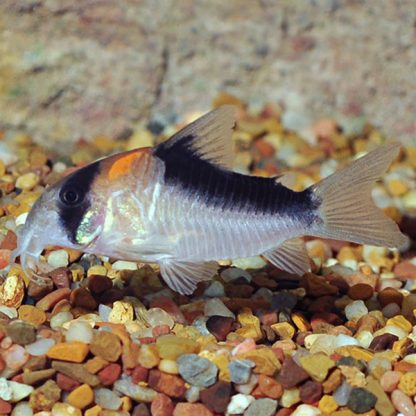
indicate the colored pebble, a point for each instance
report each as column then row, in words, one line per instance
column 69, row 351
column 361, row 400
column 81, row 397
column 266, row 407
column 106, row 345
column 197, row 370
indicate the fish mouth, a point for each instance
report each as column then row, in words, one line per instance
column 29, row 249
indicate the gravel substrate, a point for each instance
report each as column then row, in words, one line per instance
column 99, row 336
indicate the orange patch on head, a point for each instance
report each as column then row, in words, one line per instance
column 123, row 165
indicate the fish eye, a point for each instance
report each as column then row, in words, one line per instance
column 71, row 196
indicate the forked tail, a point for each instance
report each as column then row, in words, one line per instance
column 346, row 208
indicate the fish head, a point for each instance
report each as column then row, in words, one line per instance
column 67, row 214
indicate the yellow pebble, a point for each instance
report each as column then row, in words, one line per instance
column 27, row 181
column 126, row 404
column 407, row 383
column 328, row 404
column 396, row 187
column 121, row 313
column 74, row 352
column 94, row 365
column 301, row 323
column 355, row 352
column 284, row 330
column 81, row 397
column 250, row 331
column 265, row 360
column 401, row 322
column 148, row 356
column 93, row 411
column 97, row 269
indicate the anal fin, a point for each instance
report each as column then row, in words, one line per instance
column 183, row 277
column 290, row 256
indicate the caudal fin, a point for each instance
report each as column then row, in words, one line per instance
column 346, row 207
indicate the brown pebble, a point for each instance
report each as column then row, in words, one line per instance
column 239, row 291
column 51, row 299
column 291, row 374
column 390, row 295
column 318, row 286
column 219, row 326
column 106, row 345
column 61, row 277
column 66, row 383
column 270, row 387
column 168, row 384
column 99, row 284
column 216, row 397
column 9, row 242
column 310, row 392
column 264, row 281
column 39, row 286
column 82, row 298
column 360, row 291
column 162, row 405
column 383, row 342
column 77, row 372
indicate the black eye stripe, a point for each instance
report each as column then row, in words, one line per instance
column 80, row 182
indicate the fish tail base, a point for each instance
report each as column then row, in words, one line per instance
column 346, row 209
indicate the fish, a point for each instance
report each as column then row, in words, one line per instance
column 181, row 205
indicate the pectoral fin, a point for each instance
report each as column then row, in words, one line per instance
column 183, row 277
column 290, row 256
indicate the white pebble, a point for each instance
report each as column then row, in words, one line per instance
column 255, row 262
column 355, row 310
column 19, row 391
column 215, row 306
column 22, row 409
column 5, row 390
column 60, row 318
column 239, row 403
column 306, row 410
column 79, row 331
column 59, row 167
column 21, row 219
column 58, row 258
column 158, row 316
column 343, row 340
column 365, row 338
column 124, row 265
column 40, row 346
column 10, row 312
column 107, row 399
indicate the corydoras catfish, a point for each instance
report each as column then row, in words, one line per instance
column 180, row 205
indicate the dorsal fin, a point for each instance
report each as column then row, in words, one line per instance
column 208, row 138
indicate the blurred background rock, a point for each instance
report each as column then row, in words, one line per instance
column 77, row 69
